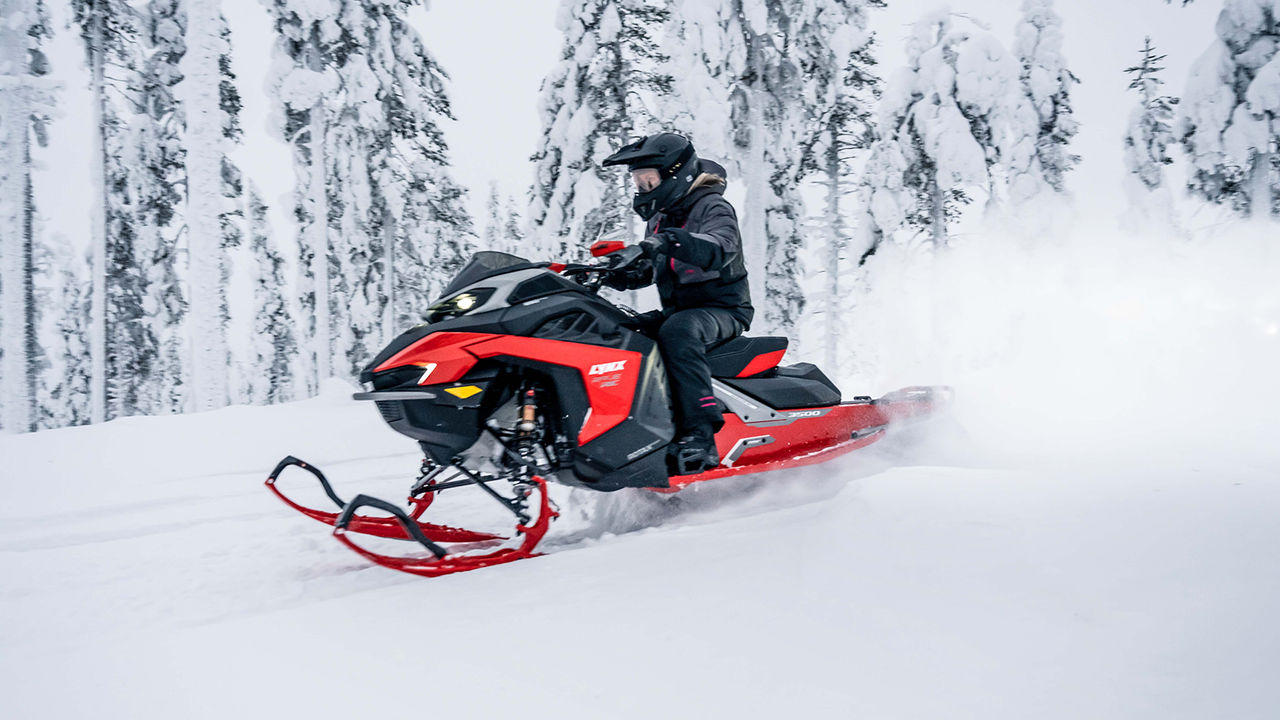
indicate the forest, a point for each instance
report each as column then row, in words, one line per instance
column 193, row 290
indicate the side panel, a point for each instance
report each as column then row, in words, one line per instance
column 609, row 375
column 633, row 454
column 795, row 441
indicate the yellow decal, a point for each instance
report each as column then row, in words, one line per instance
column 464, row 392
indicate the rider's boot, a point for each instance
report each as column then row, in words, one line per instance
column 695, row 451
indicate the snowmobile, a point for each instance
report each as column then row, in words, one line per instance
column 522, row 373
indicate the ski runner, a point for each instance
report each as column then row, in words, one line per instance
column 693, row 253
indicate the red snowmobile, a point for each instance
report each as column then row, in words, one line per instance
column 522, row 373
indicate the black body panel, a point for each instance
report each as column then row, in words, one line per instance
column 523, row 320
column 631, row 454
column 442, row 423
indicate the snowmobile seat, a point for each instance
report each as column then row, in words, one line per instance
column 789, row 388
column 746, row 356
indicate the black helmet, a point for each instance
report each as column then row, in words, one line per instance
column 672, row 156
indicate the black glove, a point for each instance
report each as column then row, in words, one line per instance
column 626, row 257
column 654, row 245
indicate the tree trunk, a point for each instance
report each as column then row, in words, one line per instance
column 835, row 244
column 98, row 298
column 321, row 345
column 755, row 227
column 16, row 389
column 388, row 276
column 204, row 141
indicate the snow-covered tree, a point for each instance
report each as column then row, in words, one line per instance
column 273, row 346
column 492, row 220
column 1230, row 109
column 157, row 158
column 503, row 229
column 1150, row 131
column 738, row 94
column 1046, row 82
column 427, row 229
column 208, row 137
column 756, row 85
column 835, row 53
column 513, row 227
column 62, row 296
column 25, row 101
column 596, row 99
column 122, row 344
column 360, row 97
column 301, row 76
column 945, row 124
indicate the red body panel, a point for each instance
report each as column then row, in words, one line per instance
column 803, row 441
column 807, row 441
column 609, row 375
column 762, row 362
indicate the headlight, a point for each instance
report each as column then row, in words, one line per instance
column 460, row 304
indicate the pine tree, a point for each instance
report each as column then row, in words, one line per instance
column 429, row 235
column 492, row 238
column 62, row 296
column 737, row 95
column 300, row 78
column 503, row 226
column 123, row 346
column 209, row 134
column 841, row 90
column 273, row 346
column 25, row 102
column 594, row 101
column 1150, row 131
column 157, row 157
column 512, row 228
column 1230, row 110
column 360, row 98
column 754, row 86
column 1046, row 82
column 945, row 125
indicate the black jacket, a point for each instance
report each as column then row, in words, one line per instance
column 701, row 264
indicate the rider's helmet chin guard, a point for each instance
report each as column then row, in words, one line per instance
column 672, row 156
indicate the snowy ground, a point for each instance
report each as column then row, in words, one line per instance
column 148, row 574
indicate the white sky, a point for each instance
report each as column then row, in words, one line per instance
column 496, row 53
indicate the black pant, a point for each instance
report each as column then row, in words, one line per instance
column 684, row 338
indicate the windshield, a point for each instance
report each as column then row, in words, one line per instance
column 486, row 263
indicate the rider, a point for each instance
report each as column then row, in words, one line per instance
column 693, row 253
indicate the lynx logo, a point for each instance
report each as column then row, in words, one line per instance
column 603, row 368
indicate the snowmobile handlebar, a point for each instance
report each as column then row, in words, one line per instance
column 616, row 262
column 410, row 527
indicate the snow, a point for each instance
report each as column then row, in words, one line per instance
column 152, row 571
column 1090, row 534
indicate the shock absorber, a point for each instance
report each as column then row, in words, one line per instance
column 528, row 413
column 527, row 424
